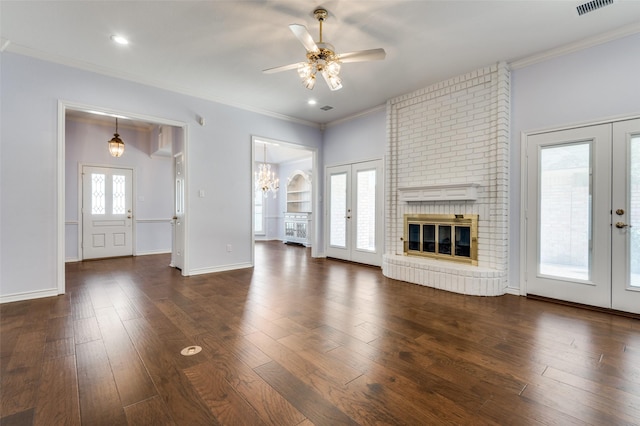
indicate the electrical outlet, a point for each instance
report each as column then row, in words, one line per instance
column 229, row 248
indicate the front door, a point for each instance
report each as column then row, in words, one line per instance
column 107, row 212
column 354, row 219
column 582, row 215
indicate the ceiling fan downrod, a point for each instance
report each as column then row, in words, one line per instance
column 320, row 15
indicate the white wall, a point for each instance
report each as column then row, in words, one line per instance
column 359, row 139
column 218, row 158
column 581, row 87
column 86, row 143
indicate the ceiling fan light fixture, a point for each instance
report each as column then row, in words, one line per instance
column 333, row 68
column 333, row 81
column 306, row 69
column 309, row 82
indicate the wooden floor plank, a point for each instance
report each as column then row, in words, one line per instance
column 589, row 407
column 57, row 400
column 302, row 397
column 226, row 404
column 18, row 385
column 131, row 376
column 18, row 419
column 183, row 403
column 280, row 353
column 99, row 400
column 271, row 406
column 86, row 330
column 150, row 412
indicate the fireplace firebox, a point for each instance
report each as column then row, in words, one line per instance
column 447, row 237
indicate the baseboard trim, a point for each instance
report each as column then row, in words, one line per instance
column 581, row 306
column 512, row 290
column 150, row 252
column 29, row 295
column 201, row 271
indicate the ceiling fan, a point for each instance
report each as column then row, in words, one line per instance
column 321, row 57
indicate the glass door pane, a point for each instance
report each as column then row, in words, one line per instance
column 634, row 212
column 366, row 210
column 565, row 211
column 338, row 210
column 429, row 238
column 444, row 239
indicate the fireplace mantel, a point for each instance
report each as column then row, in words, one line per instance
column 447, row 192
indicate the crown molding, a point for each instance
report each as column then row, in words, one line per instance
column 86, row 66
column 577, row 46
column 356, row 115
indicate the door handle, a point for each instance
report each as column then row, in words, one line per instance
column 129, row 216
column 622, row 225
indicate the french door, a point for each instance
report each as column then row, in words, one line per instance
column 107, row 212
column 583, row 215
column 354, row 212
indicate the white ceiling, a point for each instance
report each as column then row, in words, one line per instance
column 218, row 49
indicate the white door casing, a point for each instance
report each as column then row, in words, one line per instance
column 355, row 212
column 107, row 212
column 177, row 256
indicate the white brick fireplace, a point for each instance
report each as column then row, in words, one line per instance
column 447, row 153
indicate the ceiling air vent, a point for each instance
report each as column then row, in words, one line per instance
column 326, row 108
column 592, row 5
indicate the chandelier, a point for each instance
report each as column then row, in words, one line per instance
column 266, row 180
column 116, row 146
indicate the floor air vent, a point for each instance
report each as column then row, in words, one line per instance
column 592, row 5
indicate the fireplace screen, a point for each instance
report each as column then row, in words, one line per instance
column 448, row 237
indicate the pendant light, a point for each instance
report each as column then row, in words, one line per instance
column 116, row 146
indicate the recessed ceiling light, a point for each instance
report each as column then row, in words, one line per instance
column 119, row 39
column 312, row 102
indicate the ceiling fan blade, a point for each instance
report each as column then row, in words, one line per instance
column 362, row 55
column 300, row 31
column 281, row 68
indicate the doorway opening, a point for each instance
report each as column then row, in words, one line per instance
column 287, row 214
column 133, row 195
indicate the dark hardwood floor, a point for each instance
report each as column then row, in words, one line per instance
column 301, row 341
